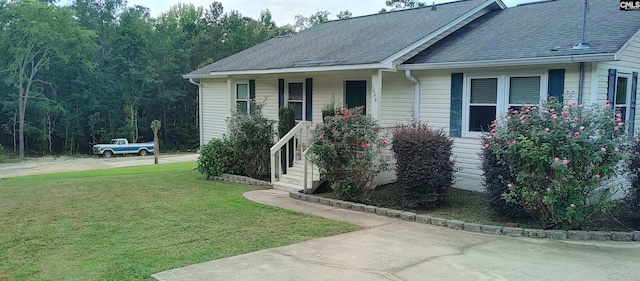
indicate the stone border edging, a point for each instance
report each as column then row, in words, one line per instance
column 242, row 180
column 578, row 235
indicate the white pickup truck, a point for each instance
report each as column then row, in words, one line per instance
column 122, row 146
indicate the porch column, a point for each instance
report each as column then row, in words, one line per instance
column 376, row 93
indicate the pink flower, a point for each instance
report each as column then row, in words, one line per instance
column 322, row 132
column 573, row 205
column 554, row 116
column 266, row 97
column 575, row 118
column 564, row 112
column 509, row 185
column 565, row 161
column 545, row 111
column 515, row 111
column 509, row 118
column 619, row 119
column 616, row 128
column 577, row 134
column 486, row 145
column 552, row 110
column 556, row 159
column 604, row 149
column 384, row 142
column 620, row 124
column 375, row 130
column 365, row 145
column 570, row 104
column 616, row 149
column 597, row 176
column 547, row 129
column 581, row 106
column 522, row 122
column 514, row 142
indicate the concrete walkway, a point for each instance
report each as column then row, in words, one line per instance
column 392, row 249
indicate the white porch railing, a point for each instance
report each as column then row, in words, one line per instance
column 300, row 134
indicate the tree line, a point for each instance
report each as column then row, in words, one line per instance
column 72, row 76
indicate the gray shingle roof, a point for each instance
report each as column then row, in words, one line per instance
column 360, row 40
column 544, row 29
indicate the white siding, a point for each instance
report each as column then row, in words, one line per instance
column 397, row 99
column 435, row 104
column 215, row 109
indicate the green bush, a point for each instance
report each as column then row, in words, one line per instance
column 496, row 176
column 346, row 148
column 559, row 155
column 631, row 201
column 216, row 157
column 424, row 166
column 286, row 122
column 252, row 137
column 2, row 155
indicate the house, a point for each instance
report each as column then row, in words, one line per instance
column 462, row 63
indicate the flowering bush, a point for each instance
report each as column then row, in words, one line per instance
column 251, row 136
column 558, row 156
column 346, row 148
column 424, row 166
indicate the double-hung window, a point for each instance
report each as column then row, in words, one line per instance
column 297, row 99
column 243, row 101
column 623, row 95
column 489, row 96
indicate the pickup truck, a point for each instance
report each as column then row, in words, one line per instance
column 122, row 146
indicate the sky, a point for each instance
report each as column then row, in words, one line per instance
column 283, row 11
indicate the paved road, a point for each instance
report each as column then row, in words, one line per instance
column 49, row 165
column 392, row 249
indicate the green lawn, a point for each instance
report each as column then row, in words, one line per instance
column 128, row 223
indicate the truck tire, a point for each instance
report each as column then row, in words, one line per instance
column 107, row 154
column 143, row 152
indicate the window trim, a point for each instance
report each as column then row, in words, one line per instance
column 627, row 102
column 502, row 101
column 235, row 95
column 304, row 96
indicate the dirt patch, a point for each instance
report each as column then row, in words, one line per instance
column 48, row 165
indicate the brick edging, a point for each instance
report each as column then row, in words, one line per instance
column 580, row 235
column 242, row 180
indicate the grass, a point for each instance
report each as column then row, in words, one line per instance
column 128, row 223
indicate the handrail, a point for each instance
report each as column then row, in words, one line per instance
column 283, row 141
column 306, row 160
column 275, row 153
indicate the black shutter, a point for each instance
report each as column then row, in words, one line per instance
column 280, row 93
column 455, row 123
column 632, row 106
column 611, row 86
column 252, row 89
column 556, row 84
column 308, row 94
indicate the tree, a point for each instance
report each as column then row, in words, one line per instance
column 302, row 22
column 35, row 36
column 403, row 4
column 155, row 126
column 344, row 15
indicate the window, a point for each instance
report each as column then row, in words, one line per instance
column 623, row 95
column 242, row 97
column 487, row 97
column 297, row 99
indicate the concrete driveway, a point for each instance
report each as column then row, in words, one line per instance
column 392, row 249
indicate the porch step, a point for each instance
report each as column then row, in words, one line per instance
column 291, row 187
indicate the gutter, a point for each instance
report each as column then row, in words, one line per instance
column 581, row 84
column 416, row 100
column 199, row 108
column 511, row 62
column 225, row 74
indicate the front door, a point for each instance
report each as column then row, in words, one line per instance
column 355, row 94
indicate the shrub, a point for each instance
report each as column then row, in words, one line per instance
column 286, row 122
column 631, row 201
column 329, row 109
column 559, row 155
column 496, row 175
column 424, row 167
column 2, row 155
column 216, row 157
column 346, row 148
column 252, row 136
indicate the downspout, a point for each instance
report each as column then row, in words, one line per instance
column 581, row 83
column 416, row 100
column 199, row 107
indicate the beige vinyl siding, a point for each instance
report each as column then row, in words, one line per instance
column 397, row 99
column 215, row 109
column 435, row 103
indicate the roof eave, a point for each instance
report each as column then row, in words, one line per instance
column 511, row 62
column 224, row 74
